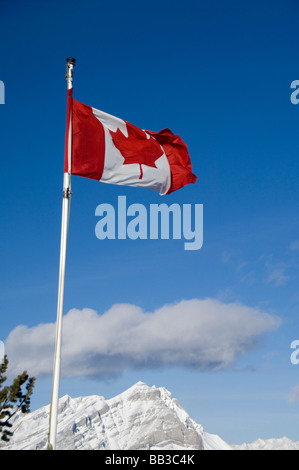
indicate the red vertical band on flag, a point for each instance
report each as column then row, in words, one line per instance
column 88, row 145
column 178, row 158
column 68, row 120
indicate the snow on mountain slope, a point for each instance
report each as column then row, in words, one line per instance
column 140, row 418
column 283, row 443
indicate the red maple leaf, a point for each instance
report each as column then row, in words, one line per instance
column 138, row 147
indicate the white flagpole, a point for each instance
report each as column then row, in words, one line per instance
column 63, row 245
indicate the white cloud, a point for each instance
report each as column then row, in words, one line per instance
column 277, row 273
column 294, row 394
column 197, row 334
column 294, row 246
column 278, row 276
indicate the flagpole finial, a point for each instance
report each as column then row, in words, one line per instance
column 71, row 60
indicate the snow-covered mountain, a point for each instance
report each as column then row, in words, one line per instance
column 283, row 443
column 141, row 418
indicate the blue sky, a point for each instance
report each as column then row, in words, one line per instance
column 219, row 75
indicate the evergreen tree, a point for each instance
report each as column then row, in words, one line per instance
column 13, row 398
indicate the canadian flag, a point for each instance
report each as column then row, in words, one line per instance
column 111, row 150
